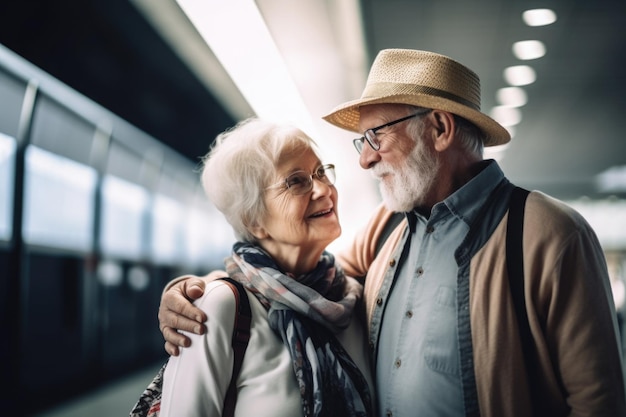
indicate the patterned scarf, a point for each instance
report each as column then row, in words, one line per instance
column 302, row 311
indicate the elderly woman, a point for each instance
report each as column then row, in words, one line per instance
column 307, row 353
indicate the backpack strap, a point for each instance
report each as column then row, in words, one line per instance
column 391, row 224
column 515, row 270
column 515, row 257
column 241, row 336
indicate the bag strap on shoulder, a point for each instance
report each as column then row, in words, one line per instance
column 391, row 224
column 241, row 336
column 515, row 257
column 515, row 270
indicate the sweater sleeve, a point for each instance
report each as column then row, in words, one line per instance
column 358, row 256
column 580, row 320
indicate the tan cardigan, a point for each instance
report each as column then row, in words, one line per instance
column 570, row 310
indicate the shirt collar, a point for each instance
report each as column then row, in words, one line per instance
column 465, row 203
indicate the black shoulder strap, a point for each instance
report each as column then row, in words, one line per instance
column 515, row 269
column 391, row 224
column 514, row 255
column 241, row 336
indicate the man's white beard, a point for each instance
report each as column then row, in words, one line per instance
column 405, row 187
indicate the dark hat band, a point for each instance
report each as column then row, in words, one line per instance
column 376, row 90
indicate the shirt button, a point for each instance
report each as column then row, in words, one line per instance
column 392, row 262
column 409, row 314
column 430, row 229
column 398, row 363
column 420, row 271
column 388, row 413
column 379, row 301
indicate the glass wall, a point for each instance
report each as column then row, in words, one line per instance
column 168, row 238
column 58, row 201
column 123, row 225
column 7, row 168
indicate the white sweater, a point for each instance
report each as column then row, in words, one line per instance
column 195, row 382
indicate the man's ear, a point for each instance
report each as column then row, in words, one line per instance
column 445, row 126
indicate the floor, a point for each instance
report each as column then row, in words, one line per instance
column 113, row 400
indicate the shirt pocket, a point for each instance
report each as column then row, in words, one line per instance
column 441, row 351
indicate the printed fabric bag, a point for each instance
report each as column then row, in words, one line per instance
column 149, row 403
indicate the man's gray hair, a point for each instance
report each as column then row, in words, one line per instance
column 469, row 135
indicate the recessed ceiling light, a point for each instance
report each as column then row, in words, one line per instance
column 512, row 96
column 512, row 131
column 506, row 116
column 526, row 50
column 612, row 179
column 497, row 152
column 539, row 17
column 520, row 75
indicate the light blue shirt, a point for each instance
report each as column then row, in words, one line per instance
column 418, row 360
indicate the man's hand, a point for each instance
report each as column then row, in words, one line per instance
column 176, row 312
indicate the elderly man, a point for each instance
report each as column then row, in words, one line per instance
column 443, row 329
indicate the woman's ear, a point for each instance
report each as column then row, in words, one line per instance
column 445, row 126
column 258, row 231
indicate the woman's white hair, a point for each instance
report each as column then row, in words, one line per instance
column 241, row 165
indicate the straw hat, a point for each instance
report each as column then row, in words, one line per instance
column 422, row 79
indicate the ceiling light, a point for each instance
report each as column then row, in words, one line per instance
column 526, row 50
column 495, row 152
column 238, row 36
column 539, row 17
column 506, row 116
column 511, row 130
column 612, row 179
column 520, row 75
column 512, row 96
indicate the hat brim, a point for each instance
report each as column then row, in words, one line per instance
column 347, row 115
